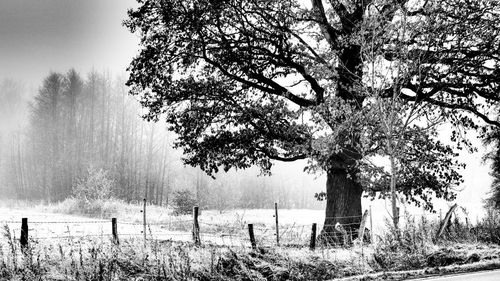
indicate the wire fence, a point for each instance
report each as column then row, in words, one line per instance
column 234, row 234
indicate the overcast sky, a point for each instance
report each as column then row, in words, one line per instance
column 37, row 36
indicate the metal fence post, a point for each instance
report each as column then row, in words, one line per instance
column 277, row 225
column 144, row 220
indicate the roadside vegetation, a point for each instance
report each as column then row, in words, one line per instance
column 414, row 245
column 412, row 248
column 100, row 259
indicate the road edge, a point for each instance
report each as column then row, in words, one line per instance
column 484, row 265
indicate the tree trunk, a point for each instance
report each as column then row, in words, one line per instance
column 343, row 206
column 395, row 209
column 343, row 191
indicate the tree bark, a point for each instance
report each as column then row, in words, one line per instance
column 343, row 206
column 343, row 191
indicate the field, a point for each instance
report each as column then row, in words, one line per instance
column 83, row 244
column 228, row 227
column 76, row 247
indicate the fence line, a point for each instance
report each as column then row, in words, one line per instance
column 292, row 234
column 68, row 222
column 57, row 222
column 345, row 217
column 260, row 234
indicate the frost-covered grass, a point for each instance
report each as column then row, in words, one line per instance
column 293, row 222
column 131, row 212
column 414, row 247
column 132, row 259
column 96, row 208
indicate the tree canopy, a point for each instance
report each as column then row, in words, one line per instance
column 246, row 82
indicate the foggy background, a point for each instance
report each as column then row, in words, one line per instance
column 38, row 38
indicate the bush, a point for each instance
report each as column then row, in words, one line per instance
column 488, row 229
column 95, row 186
column 183, row 202
column 406, row 248
column 97, row 208
column 91, row 195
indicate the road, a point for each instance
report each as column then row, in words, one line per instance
column 493, row 275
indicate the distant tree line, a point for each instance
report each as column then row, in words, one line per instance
column 78, row 124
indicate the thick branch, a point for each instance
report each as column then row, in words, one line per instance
column 281, row 158
column 282, row 91
column 276, row 89
column 327, row 29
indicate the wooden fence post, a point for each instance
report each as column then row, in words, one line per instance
column 446, row 221
column 361, row 230
column 196, row 226
column 277, row 225
column 24, row 232
column 252, row 236
column 114, row 231
column 312, row 243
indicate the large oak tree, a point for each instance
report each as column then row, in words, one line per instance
column 251, row 81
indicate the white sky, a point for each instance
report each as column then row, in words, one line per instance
column 39, row 36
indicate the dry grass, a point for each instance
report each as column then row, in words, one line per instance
column 132, row 212
column 413, row 247
column 132, row 259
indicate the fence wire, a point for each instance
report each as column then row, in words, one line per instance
column 234, row 234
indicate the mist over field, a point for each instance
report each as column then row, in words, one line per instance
column 73, row 125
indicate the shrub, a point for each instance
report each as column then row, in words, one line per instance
column 488, row 229
column 183, row 202
column 406, row 248
column 95, row 186
column 97, row 208
column 91, row 195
